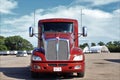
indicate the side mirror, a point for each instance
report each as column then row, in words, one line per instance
column 31, row 32
column 84, row 31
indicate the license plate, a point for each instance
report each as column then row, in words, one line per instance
column 57, row 69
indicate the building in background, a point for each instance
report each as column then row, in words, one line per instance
column 96, row 49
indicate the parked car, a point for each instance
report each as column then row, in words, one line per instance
column 21, row 54
column 4, row 52
column 29, row 52
column 13, row 52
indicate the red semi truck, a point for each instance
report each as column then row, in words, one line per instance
column 58, row 50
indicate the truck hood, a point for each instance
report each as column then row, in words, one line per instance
column 50, row 35
column 60, row 35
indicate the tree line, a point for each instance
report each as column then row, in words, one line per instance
column 113, row 46
column 14, row 43
column 18, row 43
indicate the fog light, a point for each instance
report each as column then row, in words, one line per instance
column 36, row 67
column 77, row 67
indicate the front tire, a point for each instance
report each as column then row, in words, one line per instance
column 80, row 74
column 34, row 74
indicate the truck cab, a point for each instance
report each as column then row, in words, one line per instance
column 58, row 50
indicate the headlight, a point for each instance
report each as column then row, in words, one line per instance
column 36, row 58
column 78, row 58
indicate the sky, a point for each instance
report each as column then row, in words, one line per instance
column 101, row 17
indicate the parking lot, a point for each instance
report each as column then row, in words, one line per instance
column 99, row 66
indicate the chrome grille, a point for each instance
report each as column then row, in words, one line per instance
column 57, row 49
column 63, row 50
column 50, row 51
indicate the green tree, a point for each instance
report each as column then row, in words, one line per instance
column 93, row 44
column 101, row 43
column 2, row 40
column 116, row 43
column 113, row 46
column 83, row 45
column 17, row 43
column 3, row 48
column 2, row 44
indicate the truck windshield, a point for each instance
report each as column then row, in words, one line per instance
column 57, row 27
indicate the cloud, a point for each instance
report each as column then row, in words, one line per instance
column 7, row 5
column 102, row 26
column 97, row 13
column 116, row 11
column 95, row 2
column 103, row 29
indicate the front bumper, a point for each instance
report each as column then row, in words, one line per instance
column 62, row 67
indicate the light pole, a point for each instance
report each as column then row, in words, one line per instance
column 81, row 17
column 0, row 20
